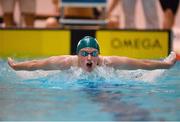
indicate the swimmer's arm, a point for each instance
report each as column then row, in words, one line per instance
column 52, row 63
column 132, row 64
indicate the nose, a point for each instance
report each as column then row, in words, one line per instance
column 89, row 57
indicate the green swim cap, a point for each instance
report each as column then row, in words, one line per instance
column 87, row 41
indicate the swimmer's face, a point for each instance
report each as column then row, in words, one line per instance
column 88, row 58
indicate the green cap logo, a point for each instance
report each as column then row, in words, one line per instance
column 87, row 41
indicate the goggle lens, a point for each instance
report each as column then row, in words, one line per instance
column 84, row 53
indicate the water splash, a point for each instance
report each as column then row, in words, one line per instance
column 77, row 78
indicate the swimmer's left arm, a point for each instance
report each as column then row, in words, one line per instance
column 131, row 63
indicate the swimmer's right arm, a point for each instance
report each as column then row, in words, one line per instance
column 52, row 63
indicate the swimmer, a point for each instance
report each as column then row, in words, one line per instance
column 88, row 58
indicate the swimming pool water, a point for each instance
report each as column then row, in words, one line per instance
column 103, row 95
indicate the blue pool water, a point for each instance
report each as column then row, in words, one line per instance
column 103, row 95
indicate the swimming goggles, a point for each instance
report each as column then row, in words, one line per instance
column 84, row 53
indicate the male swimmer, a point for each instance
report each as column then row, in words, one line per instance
column 88, row 59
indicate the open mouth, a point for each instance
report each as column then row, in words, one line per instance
column 89, row 64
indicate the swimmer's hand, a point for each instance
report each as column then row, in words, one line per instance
column 11, row 62
column 171, row 59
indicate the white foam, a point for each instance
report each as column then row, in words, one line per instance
column 34, row 74
column 171, row 57
column 151, row 76
column 106, row 73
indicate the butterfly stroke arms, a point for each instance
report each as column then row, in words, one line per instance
column 65, row 62
column 51, row 63
column 132, row 63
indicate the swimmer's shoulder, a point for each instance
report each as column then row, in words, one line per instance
column 106, row 60
column 103, row 60
column 74, row 60
column 70, row 59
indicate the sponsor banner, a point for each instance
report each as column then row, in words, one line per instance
column 30, row 43
column 132, row 43
column 136, row 44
